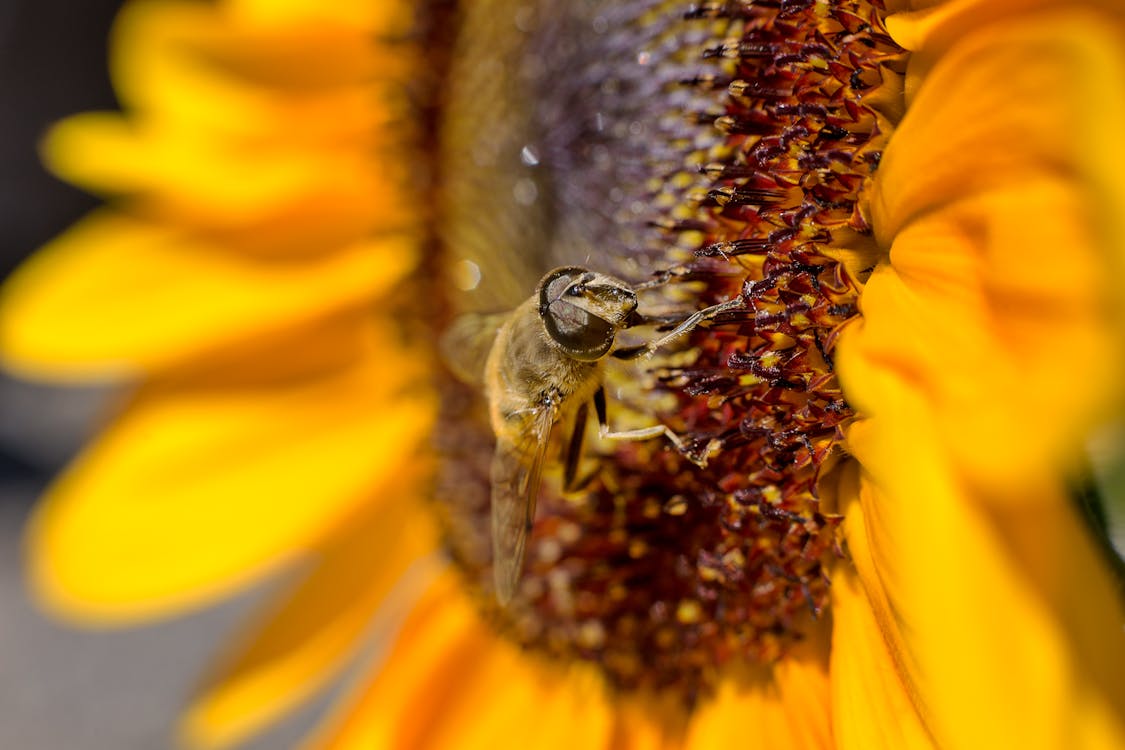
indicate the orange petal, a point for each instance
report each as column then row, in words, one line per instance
column 303, row 639
column 201, row 488
column 1007, row 614
column 786, row 707
column 115, row 295
column 450, row 682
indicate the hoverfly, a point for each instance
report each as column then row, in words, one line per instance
column 544, row 367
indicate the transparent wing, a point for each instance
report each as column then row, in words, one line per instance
column 517, row 468
column 464, row 346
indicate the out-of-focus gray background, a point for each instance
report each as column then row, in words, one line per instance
column 64, row 689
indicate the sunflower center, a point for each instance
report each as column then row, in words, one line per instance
column 723, row 147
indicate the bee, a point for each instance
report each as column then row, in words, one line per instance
column 544, row 367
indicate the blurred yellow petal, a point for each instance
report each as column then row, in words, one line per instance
column 1013, row 584
column 304, row 638
column 997, row 286
column 202, row 142
column 986, row 352
column 872, row 707
column 226, row 184
column 510, row 699
column 451, row 682
column 197, row 491
column 158, row 43
column 1063, row 98
column 786, row 707
column 439, row 643
column 987, row 345
column 114, row 296
column 389, row 17
column 874, row 701
column 648, row 722
column 1054, row 71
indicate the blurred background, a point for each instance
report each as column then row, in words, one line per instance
column 62, row 688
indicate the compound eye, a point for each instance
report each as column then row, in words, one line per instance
column 579, row 333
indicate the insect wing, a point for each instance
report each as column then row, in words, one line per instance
column 517, row 468
column 465, row 344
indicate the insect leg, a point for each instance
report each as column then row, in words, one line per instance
column 628, row 353
column 599, row 408
column 574, row 448
column 645, row 433
column 692, row 321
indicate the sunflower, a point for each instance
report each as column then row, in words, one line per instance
column 868, row 536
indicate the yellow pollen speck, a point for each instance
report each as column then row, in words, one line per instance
column 689, row 612
column 771, row 494
column 569, row 533
column 676, row 505
column 591, row 634
column 637, row 548
column 734, row 559
column 550, row 551
column 764, row 589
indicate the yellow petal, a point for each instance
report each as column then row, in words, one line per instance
column 648, row 722
column 875, row 701
column 1061, row 69
column 988, row 336
column 303, row 639
column 787, row 706
column 114, row 295
column 511, row 698
column 162, row 42
column 328, row 194
column 872, row 707
column 203, row 486
column 449, row 682
column 386, row 17
column 234, row 124
column 956, row 140
column 437, row 644
column 1010, row 619
column 1000, row 299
